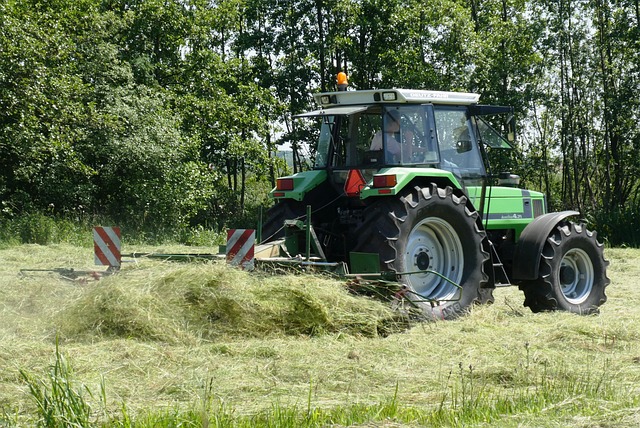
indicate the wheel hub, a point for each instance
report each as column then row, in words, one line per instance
column 567, row 275
column 423, row 259
column 576, row 276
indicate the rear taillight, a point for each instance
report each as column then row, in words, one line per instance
column 384, row 181
column 284, row 184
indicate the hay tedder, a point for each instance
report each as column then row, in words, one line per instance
column 402, row 189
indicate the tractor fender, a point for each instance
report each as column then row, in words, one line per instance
column 526, row 260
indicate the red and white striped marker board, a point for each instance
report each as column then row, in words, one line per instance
column 106, row 246
column 240, row 247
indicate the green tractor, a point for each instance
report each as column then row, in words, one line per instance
column 401, row 176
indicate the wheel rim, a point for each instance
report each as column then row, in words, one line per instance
column 576, row 276
column 434, row 244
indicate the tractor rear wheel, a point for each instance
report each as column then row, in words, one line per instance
column 322, row 200
column 288, row 209
column 572, row 274
column 431, row 229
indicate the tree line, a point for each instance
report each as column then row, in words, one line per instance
column 167, row 113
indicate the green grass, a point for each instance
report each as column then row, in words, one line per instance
column 58, row 402
column 173, row 344
column 41, row 229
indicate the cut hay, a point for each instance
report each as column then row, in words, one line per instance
column 209, row 301
column 164, row 336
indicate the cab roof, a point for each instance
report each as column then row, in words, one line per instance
column 403, row 96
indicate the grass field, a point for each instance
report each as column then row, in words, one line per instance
column 174, row 344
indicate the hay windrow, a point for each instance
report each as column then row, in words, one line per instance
column 209, row 301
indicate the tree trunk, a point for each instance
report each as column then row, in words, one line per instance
column 242, row 184
column 321, row 45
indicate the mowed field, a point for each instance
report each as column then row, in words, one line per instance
column 167, row 337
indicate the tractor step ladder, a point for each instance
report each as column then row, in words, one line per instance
column 502, row 280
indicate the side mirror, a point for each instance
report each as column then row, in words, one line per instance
column 463, row 146
column 511, row 129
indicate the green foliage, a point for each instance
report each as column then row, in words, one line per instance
column 37, row 228
column 619, row 226
column 199, row 236
column 166, row 114
column 101, row 134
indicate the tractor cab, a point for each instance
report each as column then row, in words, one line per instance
column 374, row 130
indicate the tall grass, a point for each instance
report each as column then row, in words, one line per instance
column 38, row 228
column 620, row 226
column 467, row 400
column 557, row 391
column 59, row 402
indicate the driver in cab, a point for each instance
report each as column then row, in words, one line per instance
column 390, row 125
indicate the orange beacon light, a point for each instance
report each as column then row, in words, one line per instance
column 342, row 81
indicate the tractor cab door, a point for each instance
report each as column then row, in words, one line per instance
column 458, row 145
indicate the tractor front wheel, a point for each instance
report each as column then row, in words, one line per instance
column 572, row 274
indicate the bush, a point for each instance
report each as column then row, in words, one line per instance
column 619, row 227
column 36, row 228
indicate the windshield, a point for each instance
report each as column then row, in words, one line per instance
column 379, row 135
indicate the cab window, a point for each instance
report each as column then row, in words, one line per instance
column 459, row 150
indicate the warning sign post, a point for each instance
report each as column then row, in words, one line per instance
column 240, row 248
column 106, row 246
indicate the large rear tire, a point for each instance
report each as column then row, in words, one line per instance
column 288, row 209
column 572, row 275
column 429, row 228
column 322, row 200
